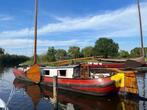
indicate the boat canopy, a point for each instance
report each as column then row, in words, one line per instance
column 70, row 71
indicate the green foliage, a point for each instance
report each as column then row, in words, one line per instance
column 60, row 54
column 105, row 47
column 7, row 60
column 2, row 51
column 51, row 54
column 123, row 54
column 74, row 51
column 136, row 52
column 87, row 51
column 43, row 58
column 11, row 60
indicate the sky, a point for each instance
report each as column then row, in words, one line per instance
column 65, row 23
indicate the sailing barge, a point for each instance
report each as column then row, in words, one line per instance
column 77, row 78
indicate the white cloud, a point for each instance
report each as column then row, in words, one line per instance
column 22, row 43
column 5, row 18
column 17, row 33
column 21, row 46
column 120, row 23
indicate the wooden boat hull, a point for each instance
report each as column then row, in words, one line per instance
column 20, row 74
column 99, row 86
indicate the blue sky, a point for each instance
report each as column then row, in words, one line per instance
column 64, row 23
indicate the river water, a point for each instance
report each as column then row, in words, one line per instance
column 25, row 96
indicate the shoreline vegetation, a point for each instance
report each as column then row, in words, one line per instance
column 12, row 60
column 7, row 60
column 104, row 48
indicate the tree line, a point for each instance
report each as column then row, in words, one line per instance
column 7, row 60
column 104, row 47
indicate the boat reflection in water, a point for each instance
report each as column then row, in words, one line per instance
column 74, row 101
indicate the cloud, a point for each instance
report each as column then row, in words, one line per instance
column 119, row 23
column 20, row 45
column 17, row 33
column 5, row 18
column 114, row 23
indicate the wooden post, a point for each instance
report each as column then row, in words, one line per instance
column 55, row 87
column 55, row 92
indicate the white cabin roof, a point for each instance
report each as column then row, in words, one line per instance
column 60, row 67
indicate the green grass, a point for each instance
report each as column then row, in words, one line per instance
column 60, row 62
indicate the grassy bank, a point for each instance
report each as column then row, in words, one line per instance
column 60, row 62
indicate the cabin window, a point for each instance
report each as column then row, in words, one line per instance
column 62, row 72
column 47, row 72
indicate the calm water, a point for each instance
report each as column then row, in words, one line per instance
column 25, row 96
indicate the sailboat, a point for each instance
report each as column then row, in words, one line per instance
column 75, row 78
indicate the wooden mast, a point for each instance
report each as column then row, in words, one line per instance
column 140, row 24
column 33, row 73
column 35, row 32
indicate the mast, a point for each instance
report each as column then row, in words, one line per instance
column 35, row 32
column 140, row 23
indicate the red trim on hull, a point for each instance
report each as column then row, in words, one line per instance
column 78, row 81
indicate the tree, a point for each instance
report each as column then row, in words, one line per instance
column 106, row 47
column 74, row 51
column 60, row 54
column 136, row 52
column 51, row 54
column 87, row 51
column 2, row 51
column 123, row 54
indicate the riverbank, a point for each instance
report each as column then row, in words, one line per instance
column 7, row 60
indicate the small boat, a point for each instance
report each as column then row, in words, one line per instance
column 3, row 105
